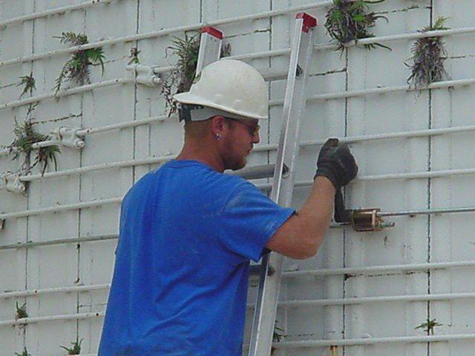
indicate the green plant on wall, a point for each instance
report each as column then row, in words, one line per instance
column 276, row 336
column 77, row 67
column 22, row 145
column 28, row 83
column 75, row 349
column 134, row 56
column 428, row 56
column 24, row 353
column 21, row 311
column 429, row 326
column 349, row 21
column 182, row 75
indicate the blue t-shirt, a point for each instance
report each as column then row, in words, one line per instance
column 187, row 234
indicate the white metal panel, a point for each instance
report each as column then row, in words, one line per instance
column 414, row 240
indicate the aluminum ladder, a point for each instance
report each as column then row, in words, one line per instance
column 284, row 169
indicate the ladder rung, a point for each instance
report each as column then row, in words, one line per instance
column 271, row 74
column 256, row 172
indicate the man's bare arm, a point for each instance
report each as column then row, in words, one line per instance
column 301, row 235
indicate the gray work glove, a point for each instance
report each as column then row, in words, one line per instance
column 336, row 162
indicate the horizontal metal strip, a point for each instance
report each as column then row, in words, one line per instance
column 269, row 147
column 63, row 93
column 35, row 292
column 98, row 167
column 372, row 341
column 264, row 148
column 330, row 302
column 383, row 90
column 60, row 208
column 327, row 96
column 124, row 125
column 160, row 33
column 385, row 299
column 58, row 10
column 272, row 53
column 415, row 175
column 469, row 209
column 376, row 137
column 353, row 271
column 97, row 203
column 57, row 242
column 93, row 131
column 366, row 41
column 40, row 319
column 372, row 270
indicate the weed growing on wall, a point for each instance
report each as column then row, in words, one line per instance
column 75, row 349
column 134, row 56
column 28, row 83
column 77, row 67
column 22, row 145
column 428, row 56
column 277, row 336
column 21, row 311
column 24, row 353
column 183, row 74
column 349, row 21
column 429, row 326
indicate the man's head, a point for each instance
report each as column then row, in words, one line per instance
column 222, row 109
column 230, row 140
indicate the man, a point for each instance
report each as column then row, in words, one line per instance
column 188, row 231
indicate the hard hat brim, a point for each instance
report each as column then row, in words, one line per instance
column 187, row 98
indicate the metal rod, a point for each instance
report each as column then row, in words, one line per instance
column 55, row 11
column 35, row 292
column 62, row 208
column 92, row 131
column 353, row 271
column 60, row 94
column 365, row 300
column 124, row 125
column 428, row 211
column 328, row 46
column 57, row 242
column 372, row 341
column 349, row 301
column 366, row 41
column 383, row 90
column 255, row 172
column 51, row 318
column 261, row 148
column 92, row 204
column 160, row 33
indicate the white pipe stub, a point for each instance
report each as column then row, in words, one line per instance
column 13, row 183
column 68, row 137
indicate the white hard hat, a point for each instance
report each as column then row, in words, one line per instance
column 228, row 87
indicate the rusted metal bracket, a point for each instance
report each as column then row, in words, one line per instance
column 366, row 220
column 362, row 220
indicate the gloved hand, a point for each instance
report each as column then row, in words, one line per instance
column 336, row 162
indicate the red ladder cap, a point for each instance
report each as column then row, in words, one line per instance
column 308, row 21
column 213, row 32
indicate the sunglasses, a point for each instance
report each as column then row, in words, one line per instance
column 252, row 128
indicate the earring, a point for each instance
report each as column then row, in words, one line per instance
column 218, row 137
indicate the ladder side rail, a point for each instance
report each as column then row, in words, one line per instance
column 282, row 189
column 210, row 47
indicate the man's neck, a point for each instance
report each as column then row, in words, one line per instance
column 200, row 154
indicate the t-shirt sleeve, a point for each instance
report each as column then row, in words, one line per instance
column 248, row 220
